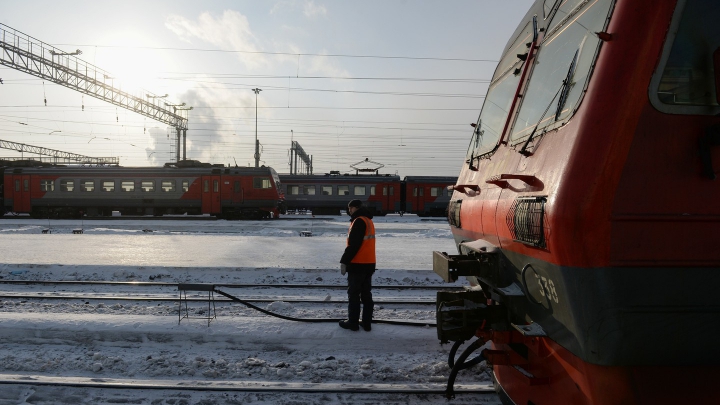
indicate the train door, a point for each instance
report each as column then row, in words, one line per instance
column 418, row 198
column 210, row 194
column 21, row 192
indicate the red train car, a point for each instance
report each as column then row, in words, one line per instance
column 225, row 192
column 329, row 194
column 586, row 212
column 426, row 195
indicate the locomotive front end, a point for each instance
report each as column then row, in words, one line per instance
column 584, row 216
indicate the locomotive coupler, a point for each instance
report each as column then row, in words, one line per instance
column 461, row 313
column 483, row 260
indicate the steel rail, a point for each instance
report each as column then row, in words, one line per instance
column 242, row 386
column 227, row 285
column 204, row 299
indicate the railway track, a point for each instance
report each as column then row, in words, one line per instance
column 218, row 300
column 241, row 386
column 226, row 285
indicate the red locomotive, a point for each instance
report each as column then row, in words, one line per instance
column 586, row 212
column 66, row 192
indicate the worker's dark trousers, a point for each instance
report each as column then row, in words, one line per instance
column 359, row 290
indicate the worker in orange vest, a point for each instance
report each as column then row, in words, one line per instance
column 358, row 262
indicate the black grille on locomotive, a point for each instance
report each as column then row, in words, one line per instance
column 526, row 220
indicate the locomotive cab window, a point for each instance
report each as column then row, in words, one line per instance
column 127, row 185
column 686, row 79
column 169, row 185
column 147, row 186
column 500, row 95
column 327, row 190
column 359, row 190
column 87, row 185
column 562, row 68
column 47, row 185
column 67, row 185
column 343, row 190
column 261, row 182
column 108, row 186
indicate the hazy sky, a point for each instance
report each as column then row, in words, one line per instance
column 401, row 82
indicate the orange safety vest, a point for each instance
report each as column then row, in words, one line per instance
column 366, row 254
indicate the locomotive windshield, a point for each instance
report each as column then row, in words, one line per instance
column 499, row 97
column 688, row 74
column 563, row 65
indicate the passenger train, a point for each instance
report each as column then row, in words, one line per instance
column 330, row 193
column 67, row 192
column 586, row 214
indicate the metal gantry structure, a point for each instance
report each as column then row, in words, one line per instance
column 296, row 151
column 57, row 156
column 22, row 52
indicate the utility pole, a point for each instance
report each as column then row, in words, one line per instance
column 257, row 144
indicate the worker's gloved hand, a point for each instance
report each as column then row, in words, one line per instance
column 343, row 269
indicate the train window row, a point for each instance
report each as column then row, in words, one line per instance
column 434, row 191
column 145, row 186
column 337, row 190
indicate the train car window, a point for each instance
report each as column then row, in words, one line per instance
column 293, row 190
column 309, row 190
column 372, row 190
column 87, row 185
column 26, row 185
column 435, row 191
column 216, row 186
column 261, row 182
column 561, row 69
column 499, row 98
column 392, row 190
column 47, row 185
column 236, row 187
column 127, row 185
column 169, row 185
column 185, row 185
column 343, row 190
column 147, row 186
column 359, row 190
column 415, row 191
column 108, row 185
column 67, row 185
column 385, row 190
column 684, row 83
column 206, row 186
column 17, row 185
column 327, row 190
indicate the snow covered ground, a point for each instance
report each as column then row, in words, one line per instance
column 101, row 338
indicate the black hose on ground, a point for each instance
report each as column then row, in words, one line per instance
column 449, row 391
column 451, row 357
column 318, row 320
